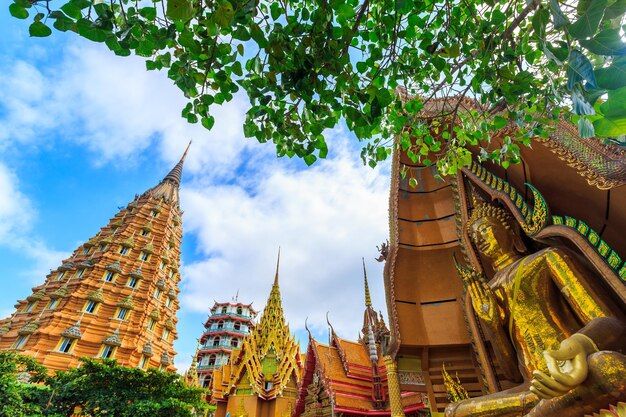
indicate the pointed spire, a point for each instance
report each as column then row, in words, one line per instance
column 368, row 299
column 176, row 173
column 277, row 267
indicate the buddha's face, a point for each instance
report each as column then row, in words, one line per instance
column 491, row 238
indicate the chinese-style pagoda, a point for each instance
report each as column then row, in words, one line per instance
column 225, row 330
column 116, row 296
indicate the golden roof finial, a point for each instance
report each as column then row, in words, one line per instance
column 277, row 266
column 455, row 389
column 368, row 299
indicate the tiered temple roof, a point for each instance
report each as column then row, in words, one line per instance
column 265, row 370
column 350, row 377
column 110, row 298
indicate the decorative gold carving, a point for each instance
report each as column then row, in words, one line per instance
column 395, row 399
column 455, row 390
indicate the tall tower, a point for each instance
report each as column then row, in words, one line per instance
column 225, row 329
column 262, row 377
column 116, row 296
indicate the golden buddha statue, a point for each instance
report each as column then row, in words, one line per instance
column 550, row 328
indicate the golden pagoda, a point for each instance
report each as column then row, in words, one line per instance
column 262, row 376
column 116, row 297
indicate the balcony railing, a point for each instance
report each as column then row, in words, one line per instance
column 228, row 329
column 221, row 345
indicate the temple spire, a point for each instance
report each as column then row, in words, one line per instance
column 368, row 299
column 277, row 266
column 174, row 176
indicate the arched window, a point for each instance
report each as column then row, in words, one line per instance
column 237, row 326
column 239, row 310
column 211, row 360
column 224, row 310
column 220, row 324
column 234, row 342
column 216, row 341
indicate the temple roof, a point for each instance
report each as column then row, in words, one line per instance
column 268, row 359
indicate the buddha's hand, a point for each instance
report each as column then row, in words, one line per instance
column 567, row 367
column 483, row 300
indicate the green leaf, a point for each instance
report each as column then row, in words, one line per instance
column 579, row 68
column 72, row 10
column 39, row 30
column 63, row 23
column 558, row 18
column 607, row 42
column 585, row 128
column 310, row 159
column 149, row 13
column 615, row 106
column 412, row 182
column 18, row 11
column 87, row 30
column 616, row 9
column 613, row 76
column 605, row 127
column 587, row 25
column 580, row 104
column 179, row 9
column 208, row 122
column 499, row 122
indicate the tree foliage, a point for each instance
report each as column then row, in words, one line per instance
column 306, row 64
column 95, row 389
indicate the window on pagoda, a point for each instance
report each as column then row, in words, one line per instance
column 124, row 250
column 168, row 302
column 52, row 304
column 151, row 324
column 157, row 293
column 122, row 313
column 85, row 251
column 144, row 256
column 102, row 247
column 21, row 341
column 145, row 232
column 90, row 306
column 237, row 326
column 212, row 360
column 162, row 265
column 216, row 341
column 220, row 324
column 60, row 276
column 239, row 310
column 234, row 342
column 143, row 363
column 166, row 334
column 107, row 352
column 163, row 367
column 206, row 382
column 109, row 276
column 154, row 213
column 30, row 307
column 113, row 229
column 267, row 385
column 132, row 282
column 66, row 344
column 79, row 273
column 171, row 274
column 224, row 309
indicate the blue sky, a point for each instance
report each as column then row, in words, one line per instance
column 82, row 131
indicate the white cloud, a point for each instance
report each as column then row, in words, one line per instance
column 240, row 202
column 325, row 219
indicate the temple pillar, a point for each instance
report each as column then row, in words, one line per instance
column 395, row 399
